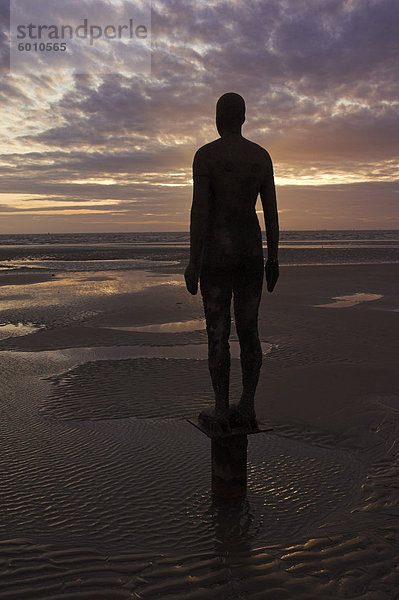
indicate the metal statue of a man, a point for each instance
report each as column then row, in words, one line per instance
column 226, row 253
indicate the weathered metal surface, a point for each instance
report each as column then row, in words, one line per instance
column 229, row 457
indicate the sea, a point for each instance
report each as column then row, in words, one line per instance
column 160, row 250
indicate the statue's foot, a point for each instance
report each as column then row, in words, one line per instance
column 235, row 416
column 242, row 415
column 223, row 424
column 251, row 422
column 216, row 421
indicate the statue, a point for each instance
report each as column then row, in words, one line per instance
column 226, row 254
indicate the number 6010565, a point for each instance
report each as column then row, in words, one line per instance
column 42, row 47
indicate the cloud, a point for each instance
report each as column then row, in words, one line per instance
column 321, row 86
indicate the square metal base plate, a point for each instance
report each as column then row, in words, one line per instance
column 199, row 424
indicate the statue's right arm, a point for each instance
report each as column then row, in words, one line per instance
column 199, row 209
column 198, row 221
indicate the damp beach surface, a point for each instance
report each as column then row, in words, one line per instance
column 106, row 486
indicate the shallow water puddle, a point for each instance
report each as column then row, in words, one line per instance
column 80, row 355
column 348, row 301
column 104, row 264
column 175, row 327
column 73, row 287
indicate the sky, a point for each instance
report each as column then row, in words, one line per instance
column 112, row 151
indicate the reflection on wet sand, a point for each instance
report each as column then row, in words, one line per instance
column 175, row 327
column 70, row 288
column 8, row 330
column 348, row 301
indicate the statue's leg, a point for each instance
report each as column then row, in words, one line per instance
column 216, row 292
column 247, row 295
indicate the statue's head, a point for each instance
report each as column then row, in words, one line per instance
column 230, row 113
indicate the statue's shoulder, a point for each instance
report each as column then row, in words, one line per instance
column 257, row 151
column 208, row 149
column 203, row 158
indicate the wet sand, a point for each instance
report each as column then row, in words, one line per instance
column 106, row 487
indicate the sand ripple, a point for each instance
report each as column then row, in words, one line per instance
column 152, row 479
column 105, row 494
column 134, row 387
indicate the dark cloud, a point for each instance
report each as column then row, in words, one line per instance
column 321, row 84
column 358, row 205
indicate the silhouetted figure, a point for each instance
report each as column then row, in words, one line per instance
column 226, row 252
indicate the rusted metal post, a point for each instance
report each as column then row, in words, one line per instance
column 229, row 458
column 229, row 466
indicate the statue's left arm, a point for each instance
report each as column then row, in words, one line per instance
column 269, row 204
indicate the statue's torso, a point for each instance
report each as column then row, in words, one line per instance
column 236, row 169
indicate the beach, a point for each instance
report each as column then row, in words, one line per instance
column 106, row 486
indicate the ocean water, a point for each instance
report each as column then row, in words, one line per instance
column 129, row 250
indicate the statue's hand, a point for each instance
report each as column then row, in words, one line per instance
column 272, row 273
column 191, row 275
